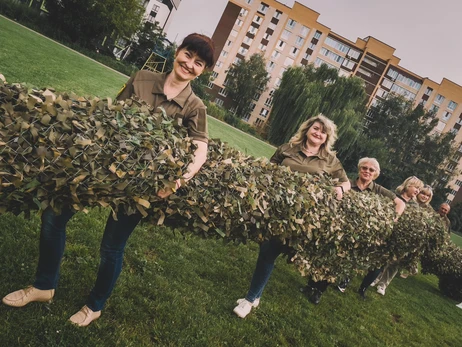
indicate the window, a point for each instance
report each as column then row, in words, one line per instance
column 402, row 91
column 439, row 99
column 267, row 36
column 336, row 44
column 353, row 54
column 257, row 19
column 219, row 102
column 382, row 93
column 434, row 108
column 294, row 51
column 263, row 8
column 459, row 183
column 364, row 72
column 304, row 31
column 299, row 41
column 277, row 14
column 233, row 33
column 258, row 122
column 237, row 60
column 243, row 50
column 350, row 64
column 454, row 131
column 262, row 47
column 312, row 45
column 264, row 112
column 288, row 62
column 210, row 85
column 243, row 12
column 370, row 62
column 256, row 96
column 306, row 56
column 272, row 26
column 277, row 83
column 269, row 102
column 275, row 55
column 224, row 54
column 428, row 91
column 270, row 66
column 285, row 34
column 453, row 192
column 291, row 24
column 446, row 116
column 331, row 55
column 238, row 22
column 246, row 117
column 440, row 126
column 281, row 72
column 248, row 40
column 229, row 43
column 249, row 2
column 219, row 64
column 252, row 30
column 214, row 74
column 452, row 105
column 317, row 35
column 223, row 92
column 280, row 45
column 387, row 83
column 392, row 73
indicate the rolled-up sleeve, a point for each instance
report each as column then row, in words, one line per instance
column 337, row 171
column 127, row 90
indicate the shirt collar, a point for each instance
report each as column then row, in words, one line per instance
column 354, row 184
column 180, row 99
column 322, row 154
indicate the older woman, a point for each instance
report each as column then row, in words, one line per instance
column 408, row 192
column 310, row 151
column 368, row 171
column 173, row 92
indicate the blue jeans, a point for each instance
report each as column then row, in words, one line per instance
column 52, row 242
column 269, row 251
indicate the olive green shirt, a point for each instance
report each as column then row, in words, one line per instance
column 149, row 87
column 373, row 188
column 293, row 157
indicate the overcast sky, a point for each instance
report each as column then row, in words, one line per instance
column 427, row 46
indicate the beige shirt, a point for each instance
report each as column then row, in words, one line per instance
column 149, row 87
column 293, row 157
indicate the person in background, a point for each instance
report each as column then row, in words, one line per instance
column 443, row 212
column 368, row 171
column 309, row 151
column 423, row 199
column 173, row 92
column 408, row 192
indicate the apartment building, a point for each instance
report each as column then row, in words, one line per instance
column 290, row 36
column 161, row 11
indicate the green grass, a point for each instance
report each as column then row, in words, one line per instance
column 456, row 239
column 179, row 290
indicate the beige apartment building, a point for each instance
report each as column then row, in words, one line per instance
column 290, row 36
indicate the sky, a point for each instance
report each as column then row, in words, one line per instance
column 425, row 33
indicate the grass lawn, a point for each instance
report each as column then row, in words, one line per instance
column 456, row 239
column 179, row 290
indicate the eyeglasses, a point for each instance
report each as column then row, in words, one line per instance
column 366, row 168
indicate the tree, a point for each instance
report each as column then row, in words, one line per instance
column 306, row 91
column 244, row 80
column 199, row 85
column 88, row 21
column 455, row 216
column 412, row 146
column 150, row 38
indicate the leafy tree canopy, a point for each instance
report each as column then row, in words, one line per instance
column 244, row 80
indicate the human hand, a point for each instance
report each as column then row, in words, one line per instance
column 165, row 193
column 339, row 192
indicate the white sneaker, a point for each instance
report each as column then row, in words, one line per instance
column 373, row 284
column 243, row 309
column 459, row 305
column 254, row 304
column 381, row 290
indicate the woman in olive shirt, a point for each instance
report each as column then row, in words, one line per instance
column 309, row 151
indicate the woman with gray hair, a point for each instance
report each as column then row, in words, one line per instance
column 368, row 171
column 309, row 151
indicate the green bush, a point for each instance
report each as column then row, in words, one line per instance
column 215, row 111
column 451, row 286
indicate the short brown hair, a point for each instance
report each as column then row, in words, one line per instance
column 201, row 45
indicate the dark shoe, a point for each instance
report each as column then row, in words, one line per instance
column 316, row 297
column 306, row 290
column 362, row 292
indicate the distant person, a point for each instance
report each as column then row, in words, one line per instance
column 173, row 92
column 443, row 212
column 309, row 151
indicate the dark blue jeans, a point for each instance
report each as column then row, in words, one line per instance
column 269, row 251
column 52, row 242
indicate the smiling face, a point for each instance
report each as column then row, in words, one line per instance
column 444, row 210
column 412, row 191
column 367, row 172
column 187, row 65
column 316, row 135
column 423, row 197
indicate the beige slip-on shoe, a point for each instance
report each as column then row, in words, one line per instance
column 24, row 296
column 85, row 316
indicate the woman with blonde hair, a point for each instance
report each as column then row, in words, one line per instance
column 308, row 151
column 425, row 196
column 408, row 192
